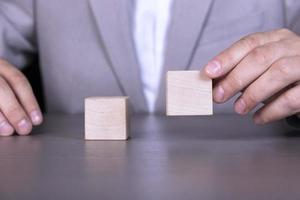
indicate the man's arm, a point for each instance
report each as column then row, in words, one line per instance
column 19, row 109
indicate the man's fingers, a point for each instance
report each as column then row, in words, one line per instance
column 281, row 74
column 251, row 67
column 12, row 109
column 23, row 91
column 5, row 128
column 285, row 105
column 229, row 58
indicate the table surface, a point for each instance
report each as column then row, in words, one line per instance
column 218, row 157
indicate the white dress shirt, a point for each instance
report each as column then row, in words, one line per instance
column 151, row 21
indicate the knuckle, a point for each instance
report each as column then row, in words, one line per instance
column 283, row 31
column 233, row 83
column 229, row 56
column 282, row 70
column 14, row 113
column 251, row 41
column 260, row 55
column 292, row 101
column 19, row 80
column 250, row 98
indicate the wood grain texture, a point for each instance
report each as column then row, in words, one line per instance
column 106, row 118
column 189, row 93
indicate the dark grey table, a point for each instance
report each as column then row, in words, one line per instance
column 219, row 157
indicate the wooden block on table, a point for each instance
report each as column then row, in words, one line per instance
column 106, row 118
column 188, row 93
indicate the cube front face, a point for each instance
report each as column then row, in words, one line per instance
column 106, row 118
column 189, row 93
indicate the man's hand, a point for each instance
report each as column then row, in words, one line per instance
column 19, row 109
column 265, row 67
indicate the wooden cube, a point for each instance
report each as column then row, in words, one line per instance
column 188, row 93
column 106, row 118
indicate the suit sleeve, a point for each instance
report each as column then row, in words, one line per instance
column 17, row 42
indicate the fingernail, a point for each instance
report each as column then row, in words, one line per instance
column 36, row 117
column 6, row 129
column 213, row 68
column 24, row 127
column 240, row 107
column 219, row 94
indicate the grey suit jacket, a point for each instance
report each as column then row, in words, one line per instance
column 86, row 46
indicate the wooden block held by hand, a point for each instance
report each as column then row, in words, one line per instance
column 188, row 93
column 106, row 118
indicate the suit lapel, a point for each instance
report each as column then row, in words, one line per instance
column 112, row 17
column 187, row 21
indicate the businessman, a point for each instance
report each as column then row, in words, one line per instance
column 250, row 48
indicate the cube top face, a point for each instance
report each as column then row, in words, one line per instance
column 189, row 93
column 117, row 98
column 106, row 118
